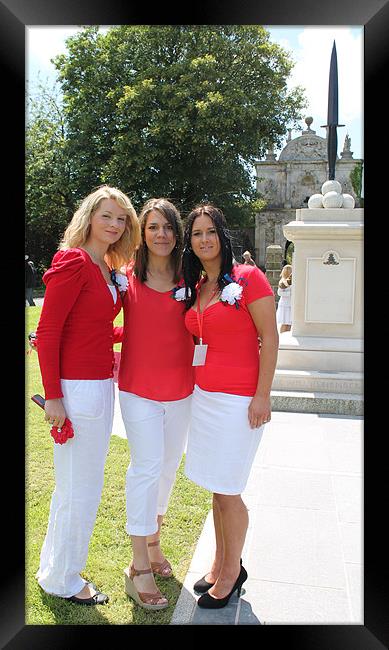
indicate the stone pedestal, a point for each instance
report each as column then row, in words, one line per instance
column 273, row 263
column 320, row 361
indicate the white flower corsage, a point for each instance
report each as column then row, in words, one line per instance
column 232, row 293
column 178, row 293
column 120, row 281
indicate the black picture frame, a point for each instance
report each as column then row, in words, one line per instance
column 15, row 15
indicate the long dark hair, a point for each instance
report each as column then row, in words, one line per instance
column 170, row 212
column 191, row 265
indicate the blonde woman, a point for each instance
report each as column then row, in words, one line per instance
column 284, row 309
column 247, row 259
column 75, row 346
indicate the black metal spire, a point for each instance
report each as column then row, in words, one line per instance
column 332, row 115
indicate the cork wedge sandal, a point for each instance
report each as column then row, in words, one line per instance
column 142, row 598
column 162, row 569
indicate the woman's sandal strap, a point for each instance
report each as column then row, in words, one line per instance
column 139, row 572
column 161, row 567
column 146, row 597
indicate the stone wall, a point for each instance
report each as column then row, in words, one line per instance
column 273, row 264
column 243, row 240
column 288, row 184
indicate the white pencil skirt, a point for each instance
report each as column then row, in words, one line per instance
column 221, row 444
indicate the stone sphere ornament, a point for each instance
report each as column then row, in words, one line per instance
column 331, row 186
column 348, row 201
column 315, row 201
column 332, row 200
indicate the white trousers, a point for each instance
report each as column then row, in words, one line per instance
column 157, row 434
column 79, row 475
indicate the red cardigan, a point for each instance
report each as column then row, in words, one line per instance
column 75, row 331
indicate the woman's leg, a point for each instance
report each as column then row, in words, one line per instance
column 213, row 575
column 79, row 475
column 233, row 521
column 176, row 424
column 143, row 420
column 141, row 561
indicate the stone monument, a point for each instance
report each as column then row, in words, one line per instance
column 287, row 183
column 320, row 362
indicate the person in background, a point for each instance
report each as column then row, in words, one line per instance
column 155, row 387
column 29, row 277
column 284, row 307
column 248, row 259
column 75, row 338
column 228, row 308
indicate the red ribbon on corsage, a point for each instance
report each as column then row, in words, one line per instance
column 62, row 434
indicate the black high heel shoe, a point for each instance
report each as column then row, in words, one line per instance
column 209, row 602
column 201, row 586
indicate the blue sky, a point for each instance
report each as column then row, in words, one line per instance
column 310, row 49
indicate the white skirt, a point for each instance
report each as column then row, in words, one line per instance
column 284, row 307
column 284, row 312
column 221, row 444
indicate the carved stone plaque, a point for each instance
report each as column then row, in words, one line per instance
column 330, row 289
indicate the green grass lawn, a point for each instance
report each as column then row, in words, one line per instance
column 110, row 546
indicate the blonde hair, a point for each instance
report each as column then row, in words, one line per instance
column 78, row 230
column 285, row 277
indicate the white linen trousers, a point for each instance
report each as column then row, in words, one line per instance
column 79, row 475
column 157, row 434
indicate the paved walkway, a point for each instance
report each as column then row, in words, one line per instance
column 303, row 549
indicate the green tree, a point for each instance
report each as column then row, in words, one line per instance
column 356, row 180
column 176, row 111
column 49, row 200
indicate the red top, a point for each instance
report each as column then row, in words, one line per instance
column 75, row 330
column 232, row 362
column 157, row 349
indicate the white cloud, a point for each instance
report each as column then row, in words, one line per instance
column 43, row 43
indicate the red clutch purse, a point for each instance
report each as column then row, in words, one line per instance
column 60, row 434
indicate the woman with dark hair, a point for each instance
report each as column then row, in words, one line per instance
column 228, row 308
column 155, row 387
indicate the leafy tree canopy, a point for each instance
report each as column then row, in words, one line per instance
column 48, row 184
column 356, row 180
column 176, row 111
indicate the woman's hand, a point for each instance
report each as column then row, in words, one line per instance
column 259, row 411
column 32, row 342
column 55, row 412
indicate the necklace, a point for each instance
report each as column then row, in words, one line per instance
column 210, row 285
column 209, row 290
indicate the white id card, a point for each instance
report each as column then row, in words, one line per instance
column 199, row 356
